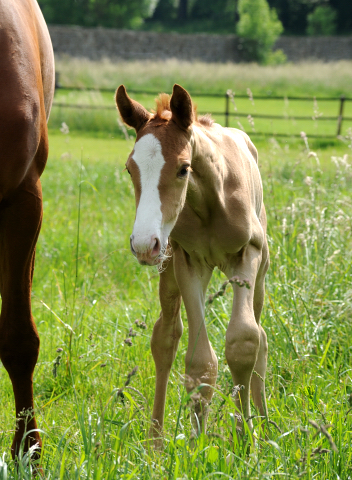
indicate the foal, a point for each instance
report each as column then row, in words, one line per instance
column 199, row 203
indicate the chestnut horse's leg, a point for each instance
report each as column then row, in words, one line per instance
column 164, row 342
column 243, row 336
column 20, row 221
column 201, row 361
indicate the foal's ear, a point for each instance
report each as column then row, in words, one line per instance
column 132, row 112
column 181, row 107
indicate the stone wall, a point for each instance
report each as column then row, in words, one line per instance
column 97, row 43
column 321, row 48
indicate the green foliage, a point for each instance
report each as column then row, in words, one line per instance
column 258, row 28
column 217, row 16
column 93, row 13
column 344, row 15
column 165, row 10
column 276, row 57
column 293, row 14
column 193, row 16
column 217, row 9
column 322, row 21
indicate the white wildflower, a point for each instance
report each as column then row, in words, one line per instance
column 284, row 225
column 305, row 139
column 250, row 95
column 315, row 156
column 64, row 128
column 231, row 96
column 251, row 122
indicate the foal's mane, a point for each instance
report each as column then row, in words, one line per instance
column 163, row 111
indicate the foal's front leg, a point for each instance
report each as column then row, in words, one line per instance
column 201, row 361
column 164, row 342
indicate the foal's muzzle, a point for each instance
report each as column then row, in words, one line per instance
column 147, row 253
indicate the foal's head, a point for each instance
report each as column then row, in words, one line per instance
column 159, row 166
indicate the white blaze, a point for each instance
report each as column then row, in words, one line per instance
column 149, row 158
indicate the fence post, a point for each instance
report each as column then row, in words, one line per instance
column 340, row 117
column 227, row 109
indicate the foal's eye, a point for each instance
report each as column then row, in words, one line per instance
column 129, row 173
column 182, row 173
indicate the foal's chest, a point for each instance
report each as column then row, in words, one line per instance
column 213, row 239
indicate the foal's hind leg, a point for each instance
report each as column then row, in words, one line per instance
column 243, row 336
column 258, row 381
column 20, row 221
column 201, row 361
column 165, row 338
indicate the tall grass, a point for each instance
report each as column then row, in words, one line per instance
column 306, row 78
column 89, row 118
column 310, row 79
column 94, row 380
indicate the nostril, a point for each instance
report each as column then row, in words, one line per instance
column 156, row 247
column 131, row 245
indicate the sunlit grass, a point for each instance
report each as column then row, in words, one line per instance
column 243, row 114
column 306, row 78
column 90, row 429
column 251, row 80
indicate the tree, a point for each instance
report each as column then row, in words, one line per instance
column 217, row 10
column 294, row 14
column 183, row 10
column 322, row 21
column 93, row 13
column 344, row 15
column 165, row 11
column 258, row 29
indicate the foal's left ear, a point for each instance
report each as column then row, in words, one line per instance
column 132, row 112
column 181, row 107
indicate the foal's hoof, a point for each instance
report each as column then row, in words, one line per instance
column 158, row 444
column 156, row 436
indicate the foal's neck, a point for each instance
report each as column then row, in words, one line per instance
column 205, row 188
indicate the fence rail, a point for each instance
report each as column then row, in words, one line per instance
column 229, row 112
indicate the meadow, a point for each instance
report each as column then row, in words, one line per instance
column 95, row 308
column 321, row 85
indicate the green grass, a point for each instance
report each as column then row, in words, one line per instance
column 106, row 121
column 306, row 79
column 89, row 430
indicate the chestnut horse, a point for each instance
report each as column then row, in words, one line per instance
column 26, row 92
column 199, row 202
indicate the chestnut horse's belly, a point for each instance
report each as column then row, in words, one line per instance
column 26, row 88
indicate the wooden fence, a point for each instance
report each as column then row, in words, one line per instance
column 229, row 112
